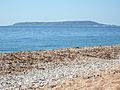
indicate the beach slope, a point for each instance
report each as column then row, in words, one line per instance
column 86, row 68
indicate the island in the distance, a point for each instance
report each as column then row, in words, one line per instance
column 65, row 24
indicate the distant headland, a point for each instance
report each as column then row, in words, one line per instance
column 65, row 24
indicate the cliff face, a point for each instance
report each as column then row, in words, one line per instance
column 64, row 24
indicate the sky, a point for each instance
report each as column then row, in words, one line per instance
column 104, row 11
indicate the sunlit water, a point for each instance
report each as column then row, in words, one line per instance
column 43, row 38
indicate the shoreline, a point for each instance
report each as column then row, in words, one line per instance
column 84, row 51
column 58, row 48
column 47, row 69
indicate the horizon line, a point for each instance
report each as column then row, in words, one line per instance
column 58, row 22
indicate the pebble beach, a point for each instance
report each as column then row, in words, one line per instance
column 61, row 69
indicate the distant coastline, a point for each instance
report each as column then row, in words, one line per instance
column 65, row 23
column 84, row 24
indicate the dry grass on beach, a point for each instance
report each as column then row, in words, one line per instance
column 87, row 68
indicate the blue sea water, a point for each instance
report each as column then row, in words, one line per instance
column 42, row 38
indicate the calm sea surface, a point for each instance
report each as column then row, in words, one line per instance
column 42, row 38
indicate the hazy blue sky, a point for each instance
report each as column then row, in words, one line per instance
column 105, row 11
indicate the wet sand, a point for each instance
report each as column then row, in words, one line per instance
column 83, row 68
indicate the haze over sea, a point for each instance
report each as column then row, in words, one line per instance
column 22, row 38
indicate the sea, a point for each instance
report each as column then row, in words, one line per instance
column 27, row 38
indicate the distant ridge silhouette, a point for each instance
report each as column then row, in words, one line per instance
column 65, row 23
